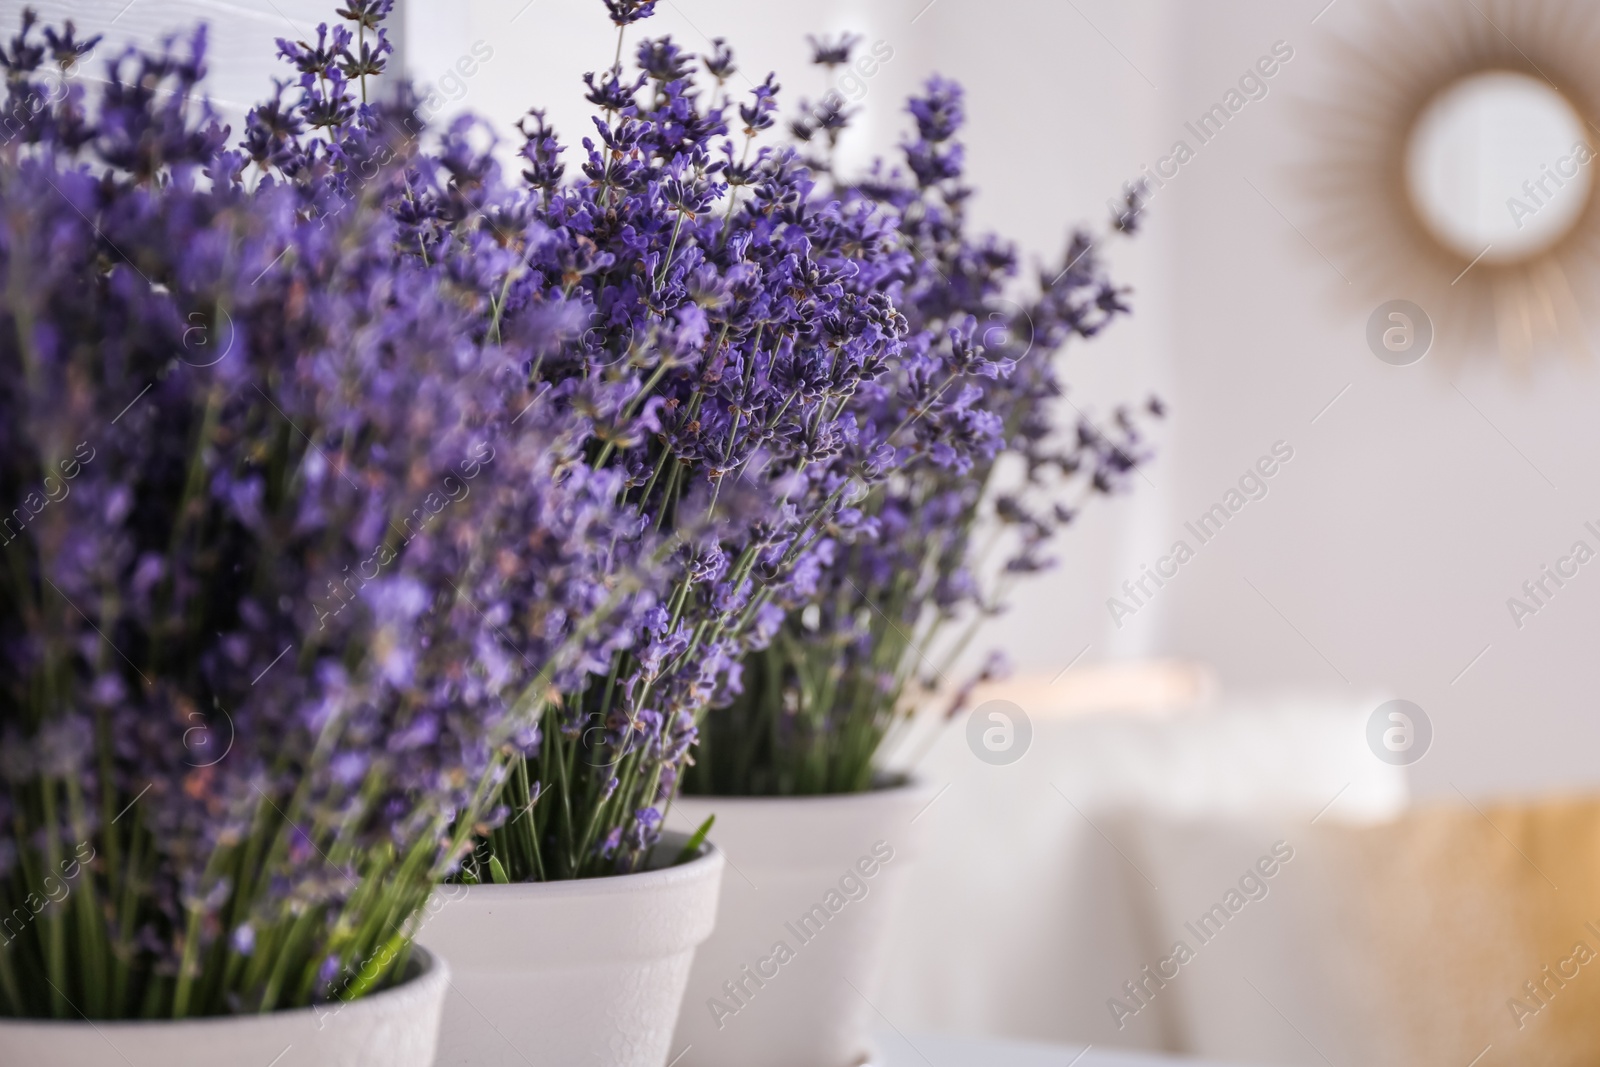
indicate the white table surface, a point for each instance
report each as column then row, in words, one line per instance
column 922, row 1050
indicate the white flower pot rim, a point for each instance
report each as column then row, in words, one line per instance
column 607, row 885
column 424, row 969
column 888, row 786
column 584, row 971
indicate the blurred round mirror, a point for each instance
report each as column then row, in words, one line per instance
column 1499, row 165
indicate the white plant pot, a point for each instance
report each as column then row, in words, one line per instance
column 584, row 973
column 789, row 977
column 397, row 1027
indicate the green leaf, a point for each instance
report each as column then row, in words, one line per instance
column 497, row 872
column 691, row 848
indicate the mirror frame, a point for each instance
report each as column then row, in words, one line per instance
column 1375, row 83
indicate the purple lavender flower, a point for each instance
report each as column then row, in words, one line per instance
column 275, row 618
column 892, row 574
column 833, row 52
column 627, row 12
column 729, row 312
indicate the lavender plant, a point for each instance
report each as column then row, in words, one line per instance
column 979, row 383
column 290, row 560
column 728, row 313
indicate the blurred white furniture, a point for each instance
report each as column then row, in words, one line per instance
column 919, row 1050
column 1039, row 897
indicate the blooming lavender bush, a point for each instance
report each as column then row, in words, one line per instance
column 290, row 561
column 726, row 312
column 979, row 382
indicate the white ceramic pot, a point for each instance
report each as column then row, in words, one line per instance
column 397, row 1027
column 789, row 977
column 571, row 974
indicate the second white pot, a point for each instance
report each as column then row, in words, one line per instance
column 586, row 973
column 789, row 975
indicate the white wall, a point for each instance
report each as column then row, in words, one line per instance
column 1385, row 551
column 240, row 34
column 1413, row 508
